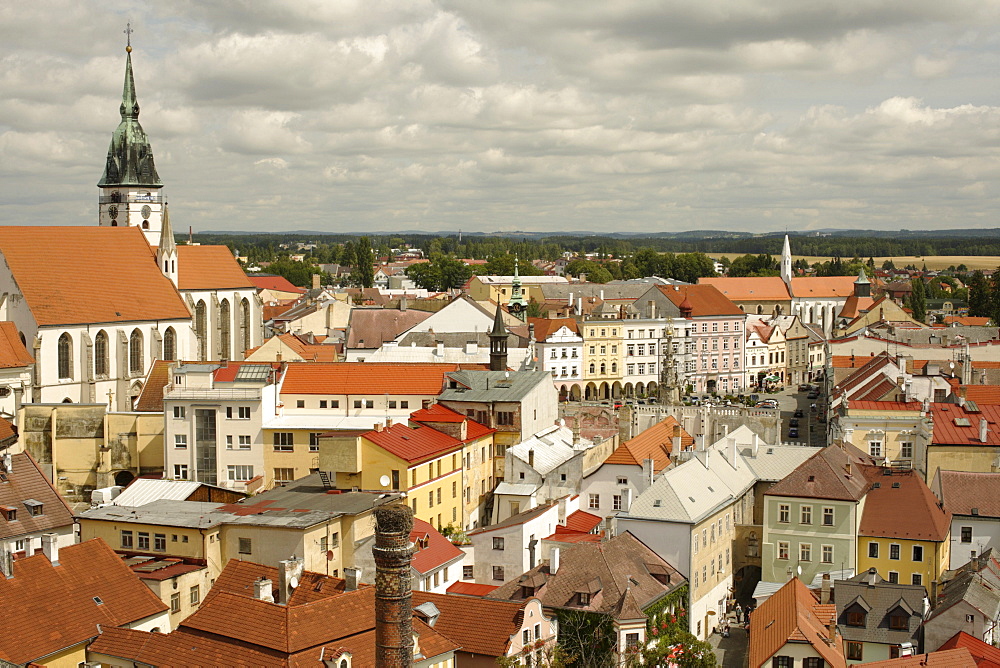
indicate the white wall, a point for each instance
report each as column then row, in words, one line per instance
column 985, row 534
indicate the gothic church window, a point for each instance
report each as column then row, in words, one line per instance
column 101, row 354
column 135, row 356
column 170, row 344
column 224, row 329
column 201, row 329
column 245, row 323
column 65, row 354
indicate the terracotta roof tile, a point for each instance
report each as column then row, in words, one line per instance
column 209, row 268
column 885, row 405
column 462, row 620
column 369, row 328
column 581, row 520
column 438, row 551
column 545, row 327
column 274, row 310
column 967, row 320
column 961, row 491
column 25, row 482
column 55, row 605
column 823, row 286
column 278, row 283
column 12, row 352
column 124, row 286
column 909, row 511
column 365, row 378
column 983, row 394
column 958, row 657
column 756, row 288
column 437, row 413
column 655, row 443
column 470, row 589
column 985, row 655
column 793, row 614
column 413, row 444
column 705, row 299
column 825, row 475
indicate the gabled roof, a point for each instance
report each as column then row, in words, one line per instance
column 494, row 386
column 546, row 327
column 654, row 443
column 828, row 287
column 825, row 475
column 959, row 657
column 463, row 620
column 879, row 598
column 26, row 482
column 984, row 655
column 965, row 491
column 982, row 394
column 902, row 506
column 272, row 282
column 60, row 289
column 705, row 299
column 365, row 378
column 792, row 614
column 413, row 444
column 13, row 354
column 439, row 413
column 607, row 567
column 755, row 288
column 57, row 606
column 369, row 328
column 209, row 268
column 959, row 425
column 438, row 551
column 150, row 400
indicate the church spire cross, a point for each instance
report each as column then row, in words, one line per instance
column 128, row 37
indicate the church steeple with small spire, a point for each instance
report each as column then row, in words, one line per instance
column 498, row 342
column 786, row 265
column 130, row 188
column 517, row 305
column 166, row 249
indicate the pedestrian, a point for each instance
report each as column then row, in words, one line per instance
column 739, row 612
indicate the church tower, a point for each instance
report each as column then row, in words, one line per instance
column 517, row 305
column 498, row 343
column 166, row 249
column 130, row 188
column 862, row 286
column 786, row 265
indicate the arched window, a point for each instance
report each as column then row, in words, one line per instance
column 592, row 367
column 101, row 353
column 170, row 344
column 614, row 367
column 201, row 329
column 65, row 356
column 135, row 358
column 145, row 224
column 245, row 323
column 225, row 329
column 604, row 368
column 760, row 309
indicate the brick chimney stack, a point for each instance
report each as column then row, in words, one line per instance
column 393, row 552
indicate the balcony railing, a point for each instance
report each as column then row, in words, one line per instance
column 152, row 198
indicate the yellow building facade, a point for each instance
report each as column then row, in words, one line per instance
column 918, row 562
column 603, row 357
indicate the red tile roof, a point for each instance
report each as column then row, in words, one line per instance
column 365, row 378
column 967, row 320
column 581, row 520
column 961, row 491
column 546, row 327
column 124, row 285
column 654, row 443
column 369, row 328
column 55, row 606
column 437, row 413
column 438, row 551
column 278, row 283
column 825, row 475
column 792, row 614
column 413, row 444
column 209, row 268
column 12, row 352
column 470, row 589
column 947, row 432
column 959, row 657
column 885, row 405
column 830, row 287
column 983, row 394
column 227, row 372
column 908, row 511
column 705, row 299
column 985, row 655
column 26, row 481
column 272, row 311
column 563, row 536
column 756, row 288
column 462, row 620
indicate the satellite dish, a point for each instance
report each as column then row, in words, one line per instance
column 293, row 583
column 384, row 481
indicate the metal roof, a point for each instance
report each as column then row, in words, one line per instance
column 491, row 386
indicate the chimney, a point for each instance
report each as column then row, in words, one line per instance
column 378, row 426
column 393, row 553
column 8, row 463
column 569, row 303
column 554, row 561
column 934, row 593
column 676, row 440
column 351, row 577
column 439, row 350
column 626, row 498
column 388, row 422
column 289, row 575
column 824, row 594
column 832, row 629
column 315, row 282
column 50, row 547
column 402, row 302
column 277, row 356
column 847, row 468
column 579, row 306
column 756, row 444
column 262, row 590
column 648, row 472
column 731, row 449
column 602, row 295
column 6, row 561
column 531, row 458
column 984, row 430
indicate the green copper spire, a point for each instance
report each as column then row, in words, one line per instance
column 130, row 157
column 517, row 304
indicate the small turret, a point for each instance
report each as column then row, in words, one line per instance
column 862, row 286
column 166, row 249
column 498, row 343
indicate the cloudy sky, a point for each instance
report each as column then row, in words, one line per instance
column 486, row 115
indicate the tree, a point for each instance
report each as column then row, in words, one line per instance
column 917, row 300
column 979, row 295
column 994, row 296
column 503, row 265
column 754, row 265
column 588, row 636
column 441, row 274
column 363, row 270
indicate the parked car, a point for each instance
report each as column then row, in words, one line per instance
column 804, row 387
column 793, row 433
column 794, row 422
column 618, row 405
column 813, row 395
column 798, row 413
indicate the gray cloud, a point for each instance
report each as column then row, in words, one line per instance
column 632, row 115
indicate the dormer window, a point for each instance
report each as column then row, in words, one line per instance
column 9, row 513
column 34, row 507
column 583, row 598
column 856, row 618
column 898, row 620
